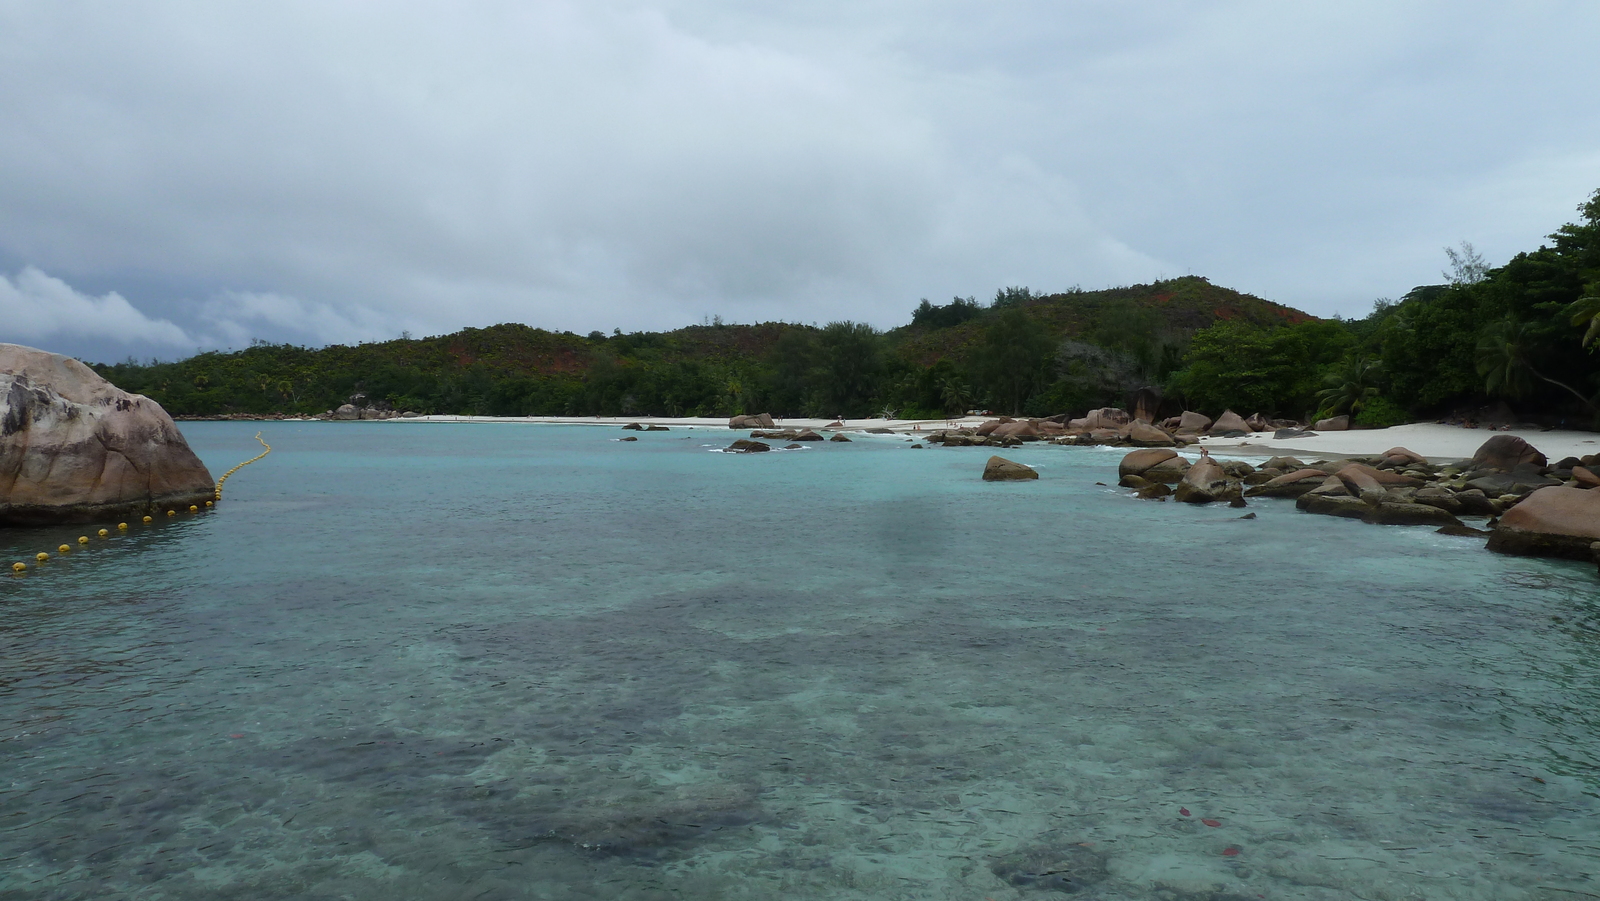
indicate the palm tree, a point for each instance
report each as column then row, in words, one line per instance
column 1585, row 311
column 1350, row 387
column 1504, row 350
column 956, row 394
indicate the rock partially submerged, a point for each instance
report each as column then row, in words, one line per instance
column 75, row 448
column 999, row 469
column 1551, row 522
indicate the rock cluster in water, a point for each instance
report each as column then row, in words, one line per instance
column 1110, row 426
column 76, row 448
column 1534, row 507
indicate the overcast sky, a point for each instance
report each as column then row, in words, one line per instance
column 176, row 176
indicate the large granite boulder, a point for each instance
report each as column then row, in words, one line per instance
column 1505, row 453
column 752, row 421
column 346, row 413
column 1138, row 461
column 999, row 469
column 1191, row 421
column 1107, row 418
column 1551, row 522
column 1206, row 482
column 1229, row 424
column 1335, row 424
column 1021, row 428
column 76, row 448
column 1142, row 434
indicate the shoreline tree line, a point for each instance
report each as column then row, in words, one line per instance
column 1525, row 332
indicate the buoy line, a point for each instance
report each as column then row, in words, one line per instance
column 244, row 464
column 83, row 540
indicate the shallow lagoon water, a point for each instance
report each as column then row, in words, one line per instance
column 439, row 661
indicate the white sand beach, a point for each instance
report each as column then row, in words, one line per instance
column 1432, row 440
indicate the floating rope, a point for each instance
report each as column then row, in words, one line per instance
column 20, row 568
column 244, row 464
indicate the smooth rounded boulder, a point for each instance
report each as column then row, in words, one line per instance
column 999, row 469
column 1505, row 453
column 1137, row 462
column 1230, row 423
column 1142, row 434
column 1551, row 522
column 76, row 448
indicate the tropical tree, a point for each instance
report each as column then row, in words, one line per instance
column 1350, row 387
column 1013, row 357
column 1585, row 313
column 1505, row 352
column 956, row 394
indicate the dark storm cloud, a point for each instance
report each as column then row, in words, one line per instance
column 200, row 174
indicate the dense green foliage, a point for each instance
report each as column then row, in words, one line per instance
column 1526, row 331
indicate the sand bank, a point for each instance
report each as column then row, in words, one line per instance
column 1439, row 443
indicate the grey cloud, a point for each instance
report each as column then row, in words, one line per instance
column 332, row 172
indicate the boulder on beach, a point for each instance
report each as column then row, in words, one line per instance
column 75, row 448
column 987, row 428
column 345, row 413
column 1505, row 453
column 1229, row 424
column 752, row 421
column 1403, row 456
column 999, row 469
column 1142, row 434
column 1551, row 522
column 1191, row 421
column 1335, row 424
column 1107, row 418
column 1020, row 428
column 1258, row 423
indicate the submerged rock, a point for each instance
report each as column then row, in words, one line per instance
column 75, row 448
column 1067, row 867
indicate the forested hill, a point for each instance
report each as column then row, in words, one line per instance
column 1524, row 333
column 941, row 359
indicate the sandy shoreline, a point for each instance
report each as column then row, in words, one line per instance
column 1438, row 443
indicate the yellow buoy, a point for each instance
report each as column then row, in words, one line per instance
column 103, row 533
column 41, row 556
column 19, row 567
column 193, row 509
column 63, row 549
column 208, row 503
column 172, row 513
column 83, row 539
column 147, row 519
column 122, row 527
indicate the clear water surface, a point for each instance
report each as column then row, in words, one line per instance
column 432, row 661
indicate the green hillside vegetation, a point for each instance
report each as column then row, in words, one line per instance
column 1516, row 332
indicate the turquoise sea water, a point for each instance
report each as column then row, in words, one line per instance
column 431, row 661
